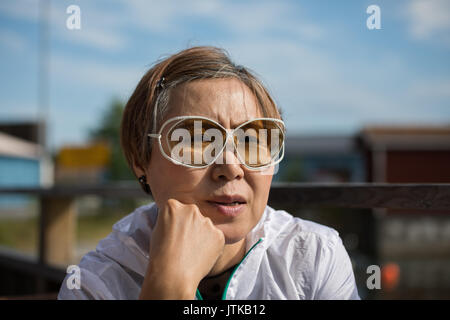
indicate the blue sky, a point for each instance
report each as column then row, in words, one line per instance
column 327, row 71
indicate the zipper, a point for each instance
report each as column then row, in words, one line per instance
column 224, row 295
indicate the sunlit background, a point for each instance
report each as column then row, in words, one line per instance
column 360, row 105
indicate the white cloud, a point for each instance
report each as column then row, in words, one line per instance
column 306, row 74
column 98, row 29
column 24, row 10
column 241, row 18
column 106, row 29
column 429, row 19
column 93, row 36
column 83, row 72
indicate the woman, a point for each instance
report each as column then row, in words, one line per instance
column 202, row 135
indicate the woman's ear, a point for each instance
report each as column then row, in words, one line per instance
column 138, row 171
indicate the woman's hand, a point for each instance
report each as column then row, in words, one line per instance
column 184, row 247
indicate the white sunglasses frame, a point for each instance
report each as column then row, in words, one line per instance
column 230, row 133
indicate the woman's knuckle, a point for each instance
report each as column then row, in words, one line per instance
column 171, row 204
column 220, row 236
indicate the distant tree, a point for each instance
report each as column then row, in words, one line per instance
column 292, row 171
column 108, row 130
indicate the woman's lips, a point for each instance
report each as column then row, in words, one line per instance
column 229, row 205
column 229, row 210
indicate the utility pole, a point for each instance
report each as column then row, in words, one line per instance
column 43, row 71
column 46, row 163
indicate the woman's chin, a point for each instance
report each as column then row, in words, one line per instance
column 231, row 234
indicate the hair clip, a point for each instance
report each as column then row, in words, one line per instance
column 240, row 68
column 160, row 83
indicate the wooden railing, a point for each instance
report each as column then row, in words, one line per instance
column 57, row 227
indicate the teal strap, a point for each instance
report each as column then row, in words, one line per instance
column 198, row 295
column 224, row 295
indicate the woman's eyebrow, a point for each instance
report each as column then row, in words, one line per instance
column 235, row 125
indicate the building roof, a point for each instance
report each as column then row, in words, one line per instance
column 406, row 137
column 15, row 147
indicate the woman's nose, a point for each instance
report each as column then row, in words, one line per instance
column 227, row 172
column 228, row 166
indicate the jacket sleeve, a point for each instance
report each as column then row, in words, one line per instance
column 336, row 279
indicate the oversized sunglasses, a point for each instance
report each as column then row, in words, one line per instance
column 197, row 142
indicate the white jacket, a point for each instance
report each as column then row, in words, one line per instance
column 287, row 258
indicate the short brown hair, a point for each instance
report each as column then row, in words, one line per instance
column 190, row 64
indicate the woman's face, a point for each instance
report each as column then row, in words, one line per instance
column 230, row 103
